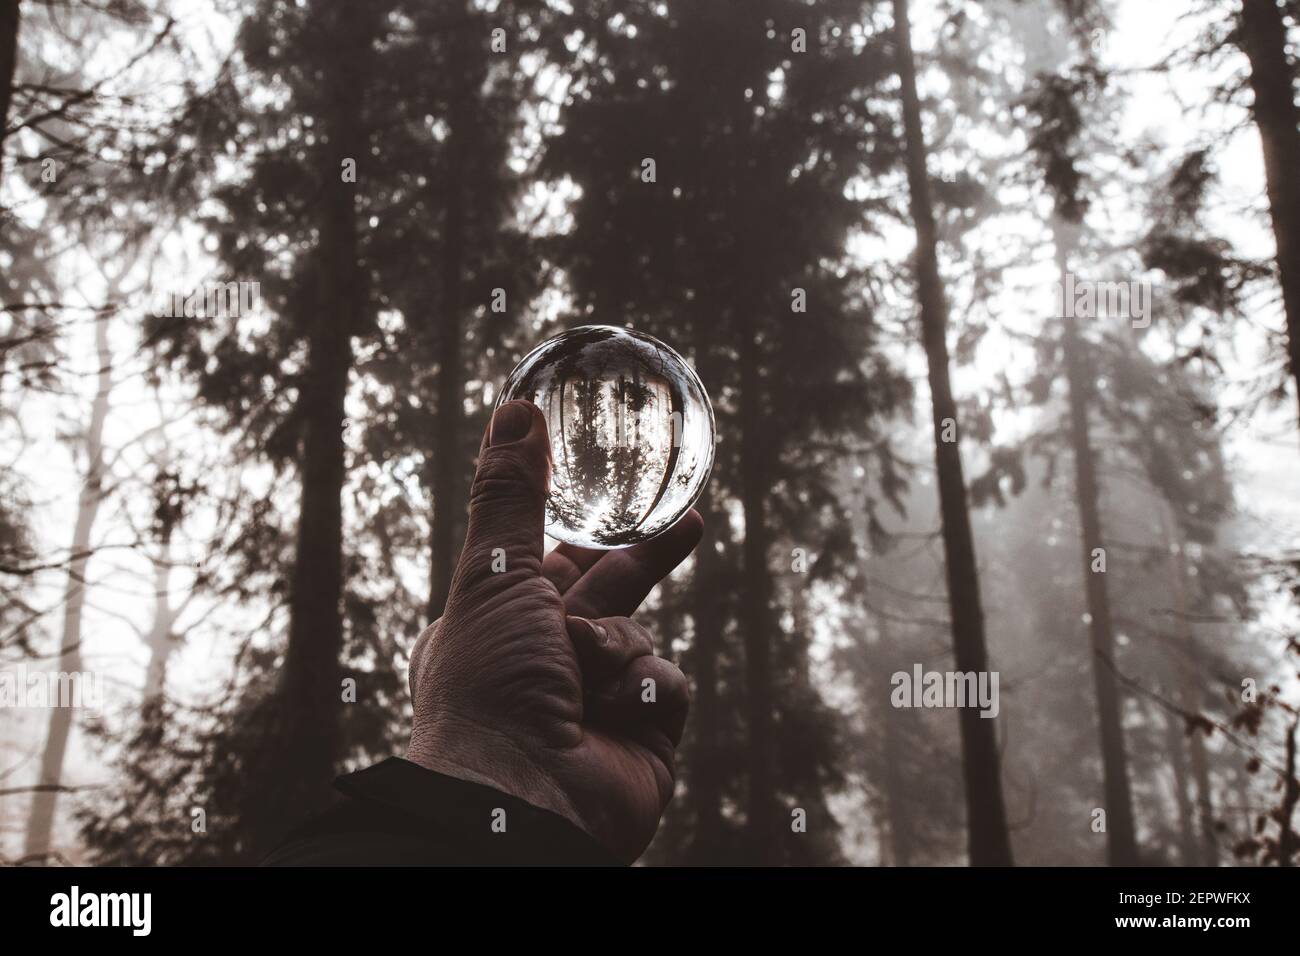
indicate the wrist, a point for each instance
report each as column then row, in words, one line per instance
column 467, row 751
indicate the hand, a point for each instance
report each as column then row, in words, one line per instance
column 535, row 681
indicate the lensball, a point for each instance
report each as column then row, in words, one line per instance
column 631, row 431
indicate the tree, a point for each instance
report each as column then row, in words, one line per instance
column 478, row 265
column 990, row 844
column 1121, row 839
column 1055, row 143
column 41, row 822
column 753, row 144
column 334, row 288
column 9, row 20
column 1262, row 34
column 320, row 292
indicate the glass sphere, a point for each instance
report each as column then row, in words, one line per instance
column 631, row 433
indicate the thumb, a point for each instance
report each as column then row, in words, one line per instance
column 507, row 502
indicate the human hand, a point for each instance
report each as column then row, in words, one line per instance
column 535, row 681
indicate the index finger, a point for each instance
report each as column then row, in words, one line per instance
column 616, row 583
column 565, row 564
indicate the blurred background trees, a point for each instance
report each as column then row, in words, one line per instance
column 849, row 216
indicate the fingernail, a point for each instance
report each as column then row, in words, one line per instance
column 510, row 423
column 596, row 631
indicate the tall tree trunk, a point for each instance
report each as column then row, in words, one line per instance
column 160, row 639
column 311, row 691
column 1204, row 791
column 754, row 616
column 755, row 612
column 1190, row 696
column 1175, row 742
column 1245, row 813
column 989, row 842
column 1262, row 34
column 1287, row 842
column 1121, row 840
column 9, row 19
column 1189, row 690
column 40, row 823
column 708, row 612
column 447, row 331
column 705, row 792
column 900, row 818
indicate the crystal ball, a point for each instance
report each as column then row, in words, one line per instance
column 631, row 431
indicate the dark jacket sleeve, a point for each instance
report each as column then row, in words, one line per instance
column 396, row 813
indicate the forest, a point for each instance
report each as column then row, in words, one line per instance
column 997, row 303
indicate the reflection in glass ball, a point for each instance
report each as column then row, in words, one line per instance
column 631, row 433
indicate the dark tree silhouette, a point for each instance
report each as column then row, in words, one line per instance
column 1262, row 34
column 989, row 843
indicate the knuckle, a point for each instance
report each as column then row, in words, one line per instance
column 636, row 638
column 476, row 584
column 504, row 473
column 488, row 558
